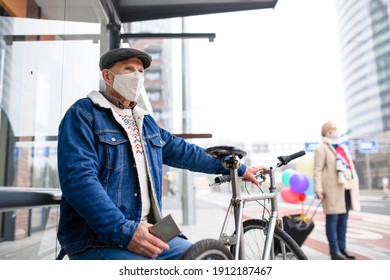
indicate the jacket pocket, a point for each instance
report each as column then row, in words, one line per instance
column 115, row 149
column 156, row 141
column 155, row 144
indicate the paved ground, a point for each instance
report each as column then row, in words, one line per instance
column 368, row 235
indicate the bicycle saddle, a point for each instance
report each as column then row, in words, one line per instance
column 220, row 152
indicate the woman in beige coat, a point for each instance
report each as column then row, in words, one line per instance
column 335, row 183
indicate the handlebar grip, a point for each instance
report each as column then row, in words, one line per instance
column 283, row 160
column 297, row 155
column 222, row 179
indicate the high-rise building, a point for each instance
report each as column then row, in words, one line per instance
column 365, row 46
column 364, row 30
column 158, row 79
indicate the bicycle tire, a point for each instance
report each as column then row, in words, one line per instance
column 254, row 237
column 207, row 249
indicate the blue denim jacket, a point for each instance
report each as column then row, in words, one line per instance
column 101, row 201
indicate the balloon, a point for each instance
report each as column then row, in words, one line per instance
column 306, row 166
column 299, row 182
column 286, row 175
column 289, row 196
column 302, row 197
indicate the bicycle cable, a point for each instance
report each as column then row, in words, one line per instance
column 265, row 209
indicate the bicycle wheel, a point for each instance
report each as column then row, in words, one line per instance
column 207, row 249
column 254, row 237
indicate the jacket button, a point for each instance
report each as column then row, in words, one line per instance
column 113, row 139
column 136, row 194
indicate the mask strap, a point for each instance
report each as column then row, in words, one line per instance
column 108, row 83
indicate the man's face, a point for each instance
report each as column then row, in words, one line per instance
column 332, row 130
column 121, row 67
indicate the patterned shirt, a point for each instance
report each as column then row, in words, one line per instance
column 126, row 119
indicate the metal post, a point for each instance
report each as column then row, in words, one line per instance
column 188, row 192
column 115, row 34
column 368, row 167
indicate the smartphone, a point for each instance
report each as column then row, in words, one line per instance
column 165, row 229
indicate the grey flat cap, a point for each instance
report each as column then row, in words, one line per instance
column 111, row 57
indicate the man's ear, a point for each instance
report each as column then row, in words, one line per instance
column 106, row 76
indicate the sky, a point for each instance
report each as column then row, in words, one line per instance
column 271, row 75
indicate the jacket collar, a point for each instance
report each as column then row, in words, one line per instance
column 98, row 98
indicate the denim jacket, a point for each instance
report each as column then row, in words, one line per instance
column 101, row 201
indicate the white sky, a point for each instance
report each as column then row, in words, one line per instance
column 270, row 75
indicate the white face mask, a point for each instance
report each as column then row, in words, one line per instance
column 129, row 85
column 334, row 135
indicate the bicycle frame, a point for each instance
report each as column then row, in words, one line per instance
column 237, row 203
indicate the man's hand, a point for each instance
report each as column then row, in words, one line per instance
column 249, row 174
column 146, row 244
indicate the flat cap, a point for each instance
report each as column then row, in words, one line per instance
column 111, row 57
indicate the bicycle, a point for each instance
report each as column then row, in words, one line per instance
column 256, row 239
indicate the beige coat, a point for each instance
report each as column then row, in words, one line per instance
column 326, row 182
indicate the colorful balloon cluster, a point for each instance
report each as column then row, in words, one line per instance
column 298, row 182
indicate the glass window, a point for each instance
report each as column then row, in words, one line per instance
column 45, row 66
column 153, row 76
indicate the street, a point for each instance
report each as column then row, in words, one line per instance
column 368, row 235
column 375, row 205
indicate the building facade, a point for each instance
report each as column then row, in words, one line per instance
column 364, row 30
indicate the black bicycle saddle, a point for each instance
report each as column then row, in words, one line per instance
column 220, row 152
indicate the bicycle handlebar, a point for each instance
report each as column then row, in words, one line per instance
column 283, row 160
column 222, row 179
column 227, row 178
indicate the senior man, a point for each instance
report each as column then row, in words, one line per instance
column 110, row 157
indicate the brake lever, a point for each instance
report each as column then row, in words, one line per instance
column 261, row 175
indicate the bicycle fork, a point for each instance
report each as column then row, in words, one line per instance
column 269, row 241
column 272, row 222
